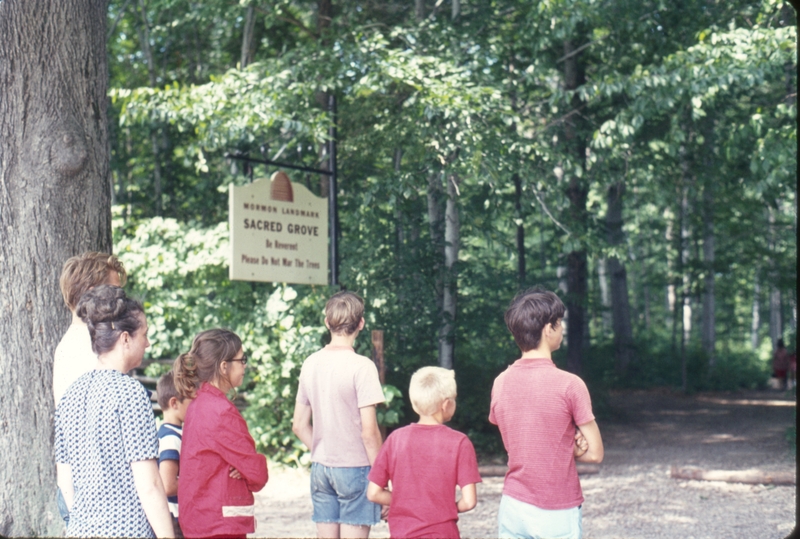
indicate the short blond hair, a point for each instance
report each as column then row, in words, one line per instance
column 344, row 312
column 83, row 272
column 429, row 387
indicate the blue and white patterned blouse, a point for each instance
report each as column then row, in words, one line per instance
column 104, row 422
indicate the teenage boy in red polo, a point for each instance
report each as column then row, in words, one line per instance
column 538, row 408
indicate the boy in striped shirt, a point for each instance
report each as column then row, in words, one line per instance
column 169, row 441
column 545, row 418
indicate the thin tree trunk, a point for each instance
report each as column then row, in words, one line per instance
column 621, row 312
column 456, row 10
column 247, row 37
column 419, row 10
column 151, row 72
column 775, row 321
column 520, row 231
column 451, row 243
column 756, row 320
column 54, row 204
column 437, row 236
column 683, row 258
column 709, row 318
column 605, row 295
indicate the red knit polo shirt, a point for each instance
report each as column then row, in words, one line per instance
column 537, row 406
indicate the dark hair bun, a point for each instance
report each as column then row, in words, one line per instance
column 104, row 303
column 108, row 312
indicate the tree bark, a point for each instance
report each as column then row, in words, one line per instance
column 605, row 295
column 419, row 10
column 709, row 319
column 577, row 193
column 437, row 237
column 755, row 323
column 154, row 143
column 620, row 310
column 452, row 230
column 54, row 203
column 247, row 37
column 520, row 232
column 683, row 259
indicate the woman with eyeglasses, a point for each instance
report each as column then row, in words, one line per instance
column 105, row 432
column 219, row 466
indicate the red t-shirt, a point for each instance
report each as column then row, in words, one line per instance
column 537, row 407
column 425, row 463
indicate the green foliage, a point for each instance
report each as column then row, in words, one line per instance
column 156, row 369
column 390, row 412
column 791, row 434
column 692, row 100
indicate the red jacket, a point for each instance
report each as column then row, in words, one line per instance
column 215, row 437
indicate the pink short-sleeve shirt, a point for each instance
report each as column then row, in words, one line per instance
column 336, row 382
column 537, row 407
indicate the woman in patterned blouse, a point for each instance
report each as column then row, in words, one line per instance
column 105, row 440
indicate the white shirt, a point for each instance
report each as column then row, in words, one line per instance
column 73, row 358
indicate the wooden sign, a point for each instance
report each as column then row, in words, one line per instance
column 279, row 232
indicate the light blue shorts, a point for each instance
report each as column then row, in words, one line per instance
column 516, row 519
column 340, row 495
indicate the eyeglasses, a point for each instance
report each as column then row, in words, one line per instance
column 243, row 359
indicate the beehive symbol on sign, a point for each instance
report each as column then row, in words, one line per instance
column 281, row 187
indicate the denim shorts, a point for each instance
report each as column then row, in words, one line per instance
column 520, row 519
column 340, row 495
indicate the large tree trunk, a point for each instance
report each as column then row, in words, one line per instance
column 54, row 203
column 577, row 192
column 620, row 304
column 452, row 230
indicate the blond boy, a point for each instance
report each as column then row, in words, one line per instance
column 174, row 409
column 340, row 389
column 425, row 461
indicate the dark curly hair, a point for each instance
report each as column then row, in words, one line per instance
column 108, row 312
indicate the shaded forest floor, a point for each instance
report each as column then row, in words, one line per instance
column 633, row 495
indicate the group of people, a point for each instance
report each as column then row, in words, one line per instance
column 195, row 476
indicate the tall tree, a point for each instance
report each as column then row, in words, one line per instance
column 54, row 203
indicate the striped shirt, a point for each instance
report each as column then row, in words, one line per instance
column 169, row 448
column 537, row 407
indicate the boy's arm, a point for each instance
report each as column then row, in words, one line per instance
column 594, row 454
column 151, row 495
column 301, row 423
column 64, row 481
column 378, row 494
column 168, row 470
column 370, row 432
column 469, row 498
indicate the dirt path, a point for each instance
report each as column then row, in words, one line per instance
column 633, row 496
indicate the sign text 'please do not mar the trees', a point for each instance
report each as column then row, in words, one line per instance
column 279, row 232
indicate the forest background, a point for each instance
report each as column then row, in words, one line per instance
column 639, row 157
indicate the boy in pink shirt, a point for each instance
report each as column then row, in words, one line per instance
column 546, row 421
column 425, row 461
column 340, row 389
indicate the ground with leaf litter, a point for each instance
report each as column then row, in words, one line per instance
column 633, row 495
